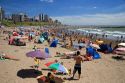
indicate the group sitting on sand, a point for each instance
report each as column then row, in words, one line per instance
column 50, row 78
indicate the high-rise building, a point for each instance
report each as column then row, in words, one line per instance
column 41, row 17
column 2, row 14
column 46, row 18
column 8, row 17
column 50, row 20
column 16, row 18
column 26, row 18
column 36, row 18
column 22, row 17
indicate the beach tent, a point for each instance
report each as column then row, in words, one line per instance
column 105, row 48
column 109, row 49
column 17, row 42
column 91, row 51
column 41, row 40
column 54, row 43
column 44, row 35
column 96, row 55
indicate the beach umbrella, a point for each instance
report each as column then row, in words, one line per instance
column 121, row 49
column 38, row 54
column 99, row 42
column 59, row 67
column 49, row 63
column 95, row 46
column 121, row 44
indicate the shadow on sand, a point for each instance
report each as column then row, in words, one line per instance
column 69, row 79
column 46, row 69
column 28, row 73
column 118, row 58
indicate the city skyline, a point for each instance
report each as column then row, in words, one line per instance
column 74, row 12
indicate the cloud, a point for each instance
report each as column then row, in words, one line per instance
column 94, row 19
column 50, row 1
column 94, row 7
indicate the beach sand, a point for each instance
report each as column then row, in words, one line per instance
column 104, row 70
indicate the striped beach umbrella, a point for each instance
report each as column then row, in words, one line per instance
column 59, row 67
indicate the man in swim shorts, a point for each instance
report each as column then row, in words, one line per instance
column 77, row 66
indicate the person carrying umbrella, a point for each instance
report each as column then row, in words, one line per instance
column 77, row 66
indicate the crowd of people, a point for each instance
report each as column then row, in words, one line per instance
column 69, row 40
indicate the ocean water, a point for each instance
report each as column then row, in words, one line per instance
column 115, row 29
column 108, row 33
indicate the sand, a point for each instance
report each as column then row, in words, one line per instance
column 104, row 70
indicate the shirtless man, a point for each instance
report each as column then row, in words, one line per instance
column 77, row 66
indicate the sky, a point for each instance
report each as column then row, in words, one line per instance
column 74, row 12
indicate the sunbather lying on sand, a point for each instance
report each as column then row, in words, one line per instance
column 69, row 54
column 4, row 56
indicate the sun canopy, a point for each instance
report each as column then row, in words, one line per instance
column 121, row 44
column 38, row 54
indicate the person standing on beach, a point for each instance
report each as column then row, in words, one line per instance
column 77, row 66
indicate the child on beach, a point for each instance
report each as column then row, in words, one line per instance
column 69, row 70
column 34, row 48
column 36, row 61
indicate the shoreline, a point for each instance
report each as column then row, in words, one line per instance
column 92, row 71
